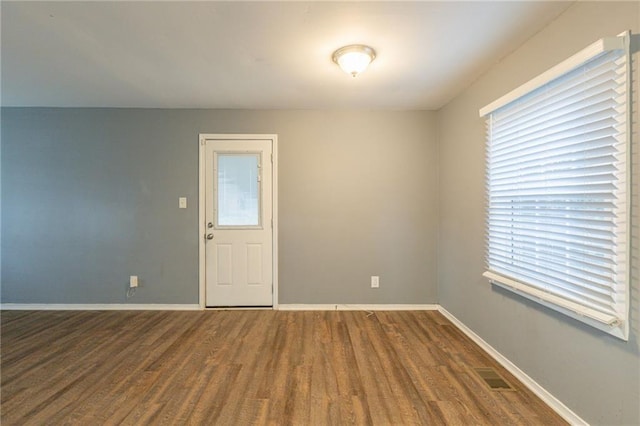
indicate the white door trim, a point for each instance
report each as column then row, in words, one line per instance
column 201, row 206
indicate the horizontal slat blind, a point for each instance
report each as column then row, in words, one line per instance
column 557, row 170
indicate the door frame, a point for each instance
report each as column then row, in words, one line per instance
column 202, row 276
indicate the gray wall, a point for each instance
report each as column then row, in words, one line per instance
column 90, row 196
column 594, row 374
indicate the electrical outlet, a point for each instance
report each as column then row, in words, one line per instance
column 375, row 281
column 133, row 281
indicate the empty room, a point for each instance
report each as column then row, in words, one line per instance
column 320, row 213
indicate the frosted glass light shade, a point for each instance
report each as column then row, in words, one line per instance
column 354, row 59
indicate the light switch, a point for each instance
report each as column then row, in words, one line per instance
column 182, row 202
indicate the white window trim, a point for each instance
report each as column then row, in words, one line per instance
column 618, row 327
column 603, row 45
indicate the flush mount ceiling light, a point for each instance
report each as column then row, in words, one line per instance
column 354, row 59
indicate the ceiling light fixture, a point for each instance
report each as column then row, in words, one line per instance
column 354, row 59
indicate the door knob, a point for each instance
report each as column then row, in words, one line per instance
column 209, row 236
column 209, row 225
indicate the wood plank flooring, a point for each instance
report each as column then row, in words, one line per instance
column 250, row 367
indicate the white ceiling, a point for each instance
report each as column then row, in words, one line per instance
column 255, row 55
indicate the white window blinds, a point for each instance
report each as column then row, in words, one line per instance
column 558, row 187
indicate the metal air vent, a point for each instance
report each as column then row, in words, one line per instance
column 492, row 378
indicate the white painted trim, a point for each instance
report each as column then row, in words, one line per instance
column 203, row 137
column 274, row 216
column 553, row 402
column 603, row 45
column 356, row 307
column 606, row 323
column 97, row 307
column 202, row 276
column 630, row 182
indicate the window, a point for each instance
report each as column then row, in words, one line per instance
column 558, row 187
column 238, row 190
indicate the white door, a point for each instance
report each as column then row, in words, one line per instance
column 238, row 230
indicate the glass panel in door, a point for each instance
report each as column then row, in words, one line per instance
column 238, row 190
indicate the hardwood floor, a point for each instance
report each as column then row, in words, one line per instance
column 250, row 367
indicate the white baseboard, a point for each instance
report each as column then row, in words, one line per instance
column 356, row 307
column 97, row 307
column 531, row 384
column 176, row 307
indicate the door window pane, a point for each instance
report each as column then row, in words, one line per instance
column 238, row 197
